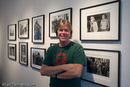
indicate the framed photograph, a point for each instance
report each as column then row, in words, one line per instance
column 102, row 67
column 12, row 51
column 23, row 29
column 12, row 32
column 23, row 53
column 38, row 29
column 37, row 56
column 54, row 17
column 100, row 22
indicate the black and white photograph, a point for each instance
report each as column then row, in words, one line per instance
column 100, row 22
column 98, row 66
column 54, row 17
column 102, row 67
column 12, row 51
column 12, row 32
column 38, row 29
column 37, row 56
column 23, row 53
column 23, row 27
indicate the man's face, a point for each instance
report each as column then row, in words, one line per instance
column 63, row 33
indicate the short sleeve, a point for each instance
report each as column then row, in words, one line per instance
column 47, row 58
column 79, row 56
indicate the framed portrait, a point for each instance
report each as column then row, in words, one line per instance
column 23, row 29
column 23, row 53
column 12, row 51
column 102, row 67
column 37, row 56
column 38, row 29
column 54, row 17
column 12, row 32
column 100, row 22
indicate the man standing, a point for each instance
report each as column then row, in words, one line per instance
column 64, row 61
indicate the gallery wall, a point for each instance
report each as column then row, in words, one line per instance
column 11, row 11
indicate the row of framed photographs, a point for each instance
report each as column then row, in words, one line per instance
column 102, row 65
column 23, row 29
column 99, row 22
column 36, row 54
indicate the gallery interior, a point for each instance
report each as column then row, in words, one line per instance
column 110, row 45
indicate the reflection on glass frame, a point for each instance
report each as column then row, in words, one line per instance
column 23, row 29
column 12, row 32
column 38, row 29
column 23, row 53
column 12, row 51
column 100, row 22
column 54, row 17
column 37, row 56
column 102, row 67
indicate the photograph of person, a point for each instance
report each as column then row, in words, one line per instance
column 99, row 66
column 37, row 31
column 104, row 24
column 98, row 22
column 23, row 54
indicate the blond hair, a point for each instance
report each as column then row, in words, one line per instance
column 65, row 22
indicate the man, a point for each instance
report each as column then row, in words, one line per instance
column 64, row 61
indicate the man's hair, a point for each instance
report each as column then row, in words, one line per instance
column 63, row 22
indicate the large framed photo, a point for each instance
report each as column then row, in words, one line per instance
column 102, row 67
column 23, row 29
column 23, row 53
column 38, row 29
column 12, row 32
column 37, row 56
column 100, row 22
column 12, row 51
column 54, row 17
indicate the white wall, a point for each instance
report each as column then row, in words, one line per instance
column 13, row 10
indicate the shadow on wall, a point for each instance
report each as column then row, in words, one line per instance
column 1, row 77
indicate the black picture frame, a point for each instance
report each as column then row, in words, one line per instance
column 12, row 51
column 36, row 57
column 23, row 29
column 102, row 67
column 38, row 25
column 55, row 16
column 93, row 28
column 23, row 53
column 12, row 32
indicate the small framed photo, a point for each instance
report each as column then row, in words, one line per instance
column 12, row 51
column 12, row 32
column 23, row 29
column 100, row 22
column 38, row 29
column 37, row 56
column 54, row 17
column 23, row 53
column 102, row 67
